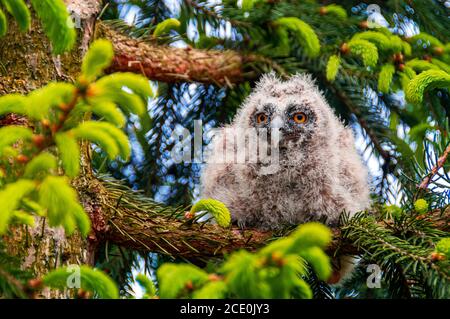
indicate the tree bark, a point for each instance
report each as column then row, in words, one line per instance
column 27, row 63
column 170, row 64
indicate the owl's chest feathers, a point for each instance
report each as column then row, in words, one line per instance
column 293, row 186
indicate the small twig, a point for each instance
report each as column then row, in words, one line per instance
column 440, row 162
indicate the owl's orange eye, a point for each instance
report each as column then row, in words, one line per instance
column 261, row 118
column 300, row 117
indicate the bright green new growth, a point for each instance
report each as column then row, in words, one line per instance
column 247, row 5
column 336, row 10
column 63, row 207
column 305, row 34
column 425, row 81
column 56, row 23
column 10, row 197
column 392, row 211
column 276, row 271
column 442, row 65
column 333, row 65
column 421, row 65
column 13, row 103
column 3, row 24
column 214, row 207
column 385, row 78
column 23, row 218
column 110, row 112
column 211, row 290
column 98, row 58
column 310, row 235
column 319, row 261
column 427, row 39
column 282, row 47
column 366, row 50
column 113, row 140
column 12, row 134
column 381, row 40
column 40, row 166
column 91, row 280
column 421, row 206
column 173, row 279
column 443, row 247
column 69, row 153
column 147, row 285
column 19, row 11
column 112, row 87
column 166, row 26
column 42, row 101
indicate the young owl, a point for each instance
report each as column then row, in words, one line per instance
column 316, row 173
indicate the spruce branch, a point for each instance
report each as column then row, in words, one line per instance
column 215, row 15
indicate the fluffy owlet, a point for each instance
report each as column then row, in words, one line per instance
column 316, row 173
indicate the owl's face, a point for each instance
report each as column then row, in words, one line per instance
column 295, row 107
column 295, row 120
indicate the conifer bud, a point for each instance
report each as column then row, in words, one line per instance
column 398, row 58
column 35, row 283
column 364, row 24
column 188, row 215
column 435, row 256
column 214, row 277
column 83, row 294
column 345, row 48
column 38, row 140
column 45, row 123
column 323, row 11
column 189, row 285
column 438, row 50
column 22, row 159
column 421, row 206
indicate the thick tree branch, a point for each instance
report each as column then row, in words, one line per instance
column 170, row 64
column 128, row 219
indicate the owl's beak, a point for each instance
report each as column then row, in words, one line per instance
column 277, row 122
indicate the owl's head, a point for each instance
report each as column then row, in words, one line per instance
column 296, row 107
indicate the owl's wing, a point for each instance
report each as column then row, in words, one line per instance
column 217, row 178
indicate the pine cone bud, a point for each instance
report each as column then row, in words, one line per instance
column 189, row 215
column 278, row 259
column 64, row 107
column 214, row 277
column 364, row 24
column 435, row 256
column 35, row 283
column 189, row 285
column 438, row 50
column 45, row 123
column 83, row 294
column 38, row 140
column 345, row 48
column 398, row 58
column 22, row 158
column 323, row 11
